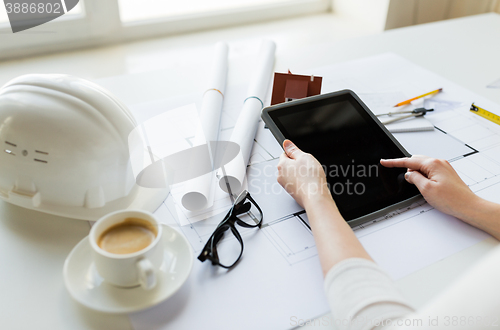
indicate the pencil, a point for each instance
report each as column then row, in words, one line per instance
column 418, row 97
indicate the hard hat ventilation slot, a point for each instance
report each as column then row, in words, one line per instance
column 41, row 161
column 41, row 152
column 9, row 152
column 11, row 144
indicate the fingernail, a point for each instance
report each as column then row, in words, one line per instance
column 383, row 160
column 288, row 145
column 407, row 175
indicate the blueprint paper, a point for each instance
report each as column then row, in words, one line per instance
column 158, row 137
column 231, row 180
column 171, row 126
column 279, row 276
column 199, row 192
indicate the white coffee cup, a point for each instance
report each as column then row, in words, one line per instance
column 132, row 269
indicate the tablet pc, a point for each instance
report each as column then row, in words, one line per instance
column 349, row 141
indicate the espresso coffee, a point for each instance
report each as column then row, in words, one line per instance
column 129, row 236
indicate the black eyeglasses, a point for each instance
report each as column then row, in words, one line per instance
column 228, row 253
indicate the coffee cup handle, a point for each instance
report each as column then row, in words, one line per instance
column 147, row 276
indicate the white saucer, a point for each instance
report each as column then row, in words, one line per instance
column 87, row 287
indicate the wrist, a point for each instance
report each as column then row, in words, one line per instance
column 470, row 211
column 319, row 200
column 483, row 214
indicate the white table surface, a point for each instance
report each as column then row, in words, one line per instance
column 33, row 246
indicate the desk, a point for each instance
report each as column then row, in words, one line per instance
column 33, row 246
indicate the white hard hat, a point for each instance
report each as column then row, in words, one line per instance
column 64, row 148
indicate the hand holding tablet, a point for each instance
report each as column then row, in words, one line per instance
column 301, row 175
column 348, row 141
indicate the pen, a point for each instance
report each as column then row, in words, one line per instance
column 418, row 97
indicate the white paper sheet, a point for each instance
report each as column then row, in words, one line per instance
column 198, row 194
column 246, row 126
column 436, row 144
column 408, row 125
column 279, row 276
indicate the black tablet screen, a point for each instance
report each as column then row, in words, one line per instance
column 349, row 144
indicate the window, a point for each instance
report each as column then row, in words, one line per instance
column 3, row 16
column 94, row 22
column 131, row 10
column 74, row 29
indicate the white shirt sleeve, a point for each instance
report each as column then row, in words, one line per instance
column 362, row 296
column 472, row 302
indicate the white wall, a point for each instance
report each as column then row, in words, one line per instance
column 410, row 12
column 390, row 14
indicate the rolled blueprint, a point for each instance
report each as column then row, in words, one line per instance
column 233, row 174
column 197, row 194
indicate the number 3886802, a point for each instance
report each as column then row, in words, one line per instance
column 33, row 8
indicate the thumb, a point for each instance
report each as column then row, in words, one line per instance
column 291, row 149
column 416, row 178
